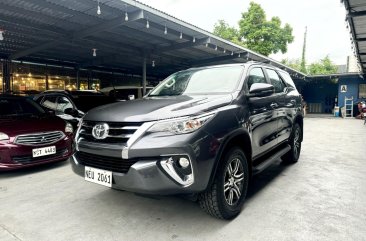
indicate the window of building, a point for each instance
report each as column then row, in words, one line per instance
column 256, row 75
column 277, row 82
column 362, row 91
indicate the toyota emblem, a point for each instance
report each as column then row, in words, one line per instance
column 100, row 131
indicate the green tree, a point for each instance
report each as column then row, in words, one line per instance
column 256, row 32
column 223, row 30
column 295, row 64
column 324, row 66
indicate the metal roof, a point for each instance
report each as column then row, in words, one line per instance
column 66, row 32
column 356, row 18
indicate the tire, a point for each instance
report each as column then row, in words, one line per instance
column 225, row 197
column 295, row 142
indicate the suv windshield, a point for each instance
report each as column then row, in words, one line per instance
column 19, row 106
column 218, row 80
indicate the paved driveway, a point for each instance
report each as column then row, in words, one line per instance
column 323, row 197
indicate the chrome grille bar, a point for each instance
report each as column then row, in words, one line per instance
column 42, row 138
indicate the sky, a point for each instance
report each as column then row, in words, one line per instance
column 325, row 20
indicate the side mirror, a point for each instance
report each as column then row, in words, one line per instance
column 261, row 90
column 71, row 111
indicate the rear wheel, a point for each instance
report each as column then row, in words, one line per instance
column 295, row 142
column 226, row 195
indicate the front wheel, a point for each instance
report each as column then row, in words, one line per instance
column 295, row 142
column 225, row 198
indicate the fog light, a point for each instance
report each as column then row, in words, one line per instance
column 183, row 162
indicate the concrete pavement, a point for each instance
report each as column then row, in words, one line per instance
column 322, row 197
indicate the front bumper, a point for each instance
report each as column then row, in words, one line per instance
column 14, row 157
column 146, row 173
column 142, row 177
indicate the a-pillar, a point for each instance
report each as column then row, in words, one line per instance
column 6, row 76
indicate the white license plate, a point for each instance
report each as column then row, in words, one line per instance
column 44, row 151
column 98, row 176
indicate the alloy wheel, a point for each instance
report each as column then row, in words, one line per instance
column 233, row 182
column 297, row 142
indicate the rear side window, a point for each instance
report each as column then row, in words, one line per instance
column 256, row 75
column 276, row 81
column 287, row 79
column 50, row 102
column 63, row 103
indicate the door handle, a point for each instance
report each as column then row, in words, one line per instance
column 274, row 105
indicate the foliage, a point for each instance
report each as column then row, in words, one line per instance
column 324, row 66
column 293, row 63
column 223, row 30
column 256, row 32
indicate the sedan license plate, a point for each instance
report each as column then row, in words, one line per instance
column 98, row 176
column 44, row 151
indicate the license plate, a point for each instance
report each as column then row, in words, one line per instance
column 98, row 176
column 44, row 151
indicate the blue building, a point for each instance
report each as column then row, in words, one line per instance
column 323, row 92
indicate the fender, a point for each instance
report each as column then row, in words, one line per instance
column 300, row 119
column 227, row 140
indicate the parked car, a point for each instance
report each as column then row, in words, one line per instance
column 122, row 93
column 29, row 136
column 71, row 105
column 203, row 132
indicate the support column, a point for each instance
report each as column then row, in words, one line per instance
column 77, row 79
column 90, row 76
column 47, row 86
column 144, row 76
column 6, row 76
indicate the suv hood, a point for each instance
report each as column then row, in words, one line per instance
column 158, row 108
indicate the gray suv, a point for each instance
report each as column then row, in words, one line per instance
column 203, row 131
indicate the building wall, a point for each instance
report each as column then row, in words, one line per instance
column 352, row 84
column 352, row 66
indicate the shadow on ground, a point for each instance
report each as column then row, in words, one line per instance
column 33, row 170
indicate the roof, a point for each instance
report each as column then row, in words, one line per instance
column 356, row 19
column 331, row 76
column 67, row 32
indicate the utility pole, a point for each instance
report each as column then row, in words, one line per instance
column 303, row 61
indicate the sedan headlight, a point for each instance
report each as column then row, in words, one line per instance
column 3, row 137
column 69, row 128
column 180, row 126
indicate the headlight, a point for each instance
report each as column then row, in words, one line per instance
column 69, row 128
column 180, row 126
column 4, row 137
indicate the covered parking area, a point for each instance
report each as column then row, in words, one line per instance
column 356, row 23
column 124, row 38
column 322, row 197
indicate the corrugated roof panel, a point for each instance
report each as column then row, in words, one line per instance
column 69, row 29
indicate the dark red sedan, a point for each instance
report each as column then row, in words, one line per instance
column 29, row 136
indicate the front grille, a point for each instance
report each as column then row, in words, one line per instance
column 29, row 159
column 42, row 138
column 119, row 132
column 104, row 162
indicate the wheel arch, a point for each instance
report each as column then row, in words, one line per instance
column 240, row 138
column 299, row 119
